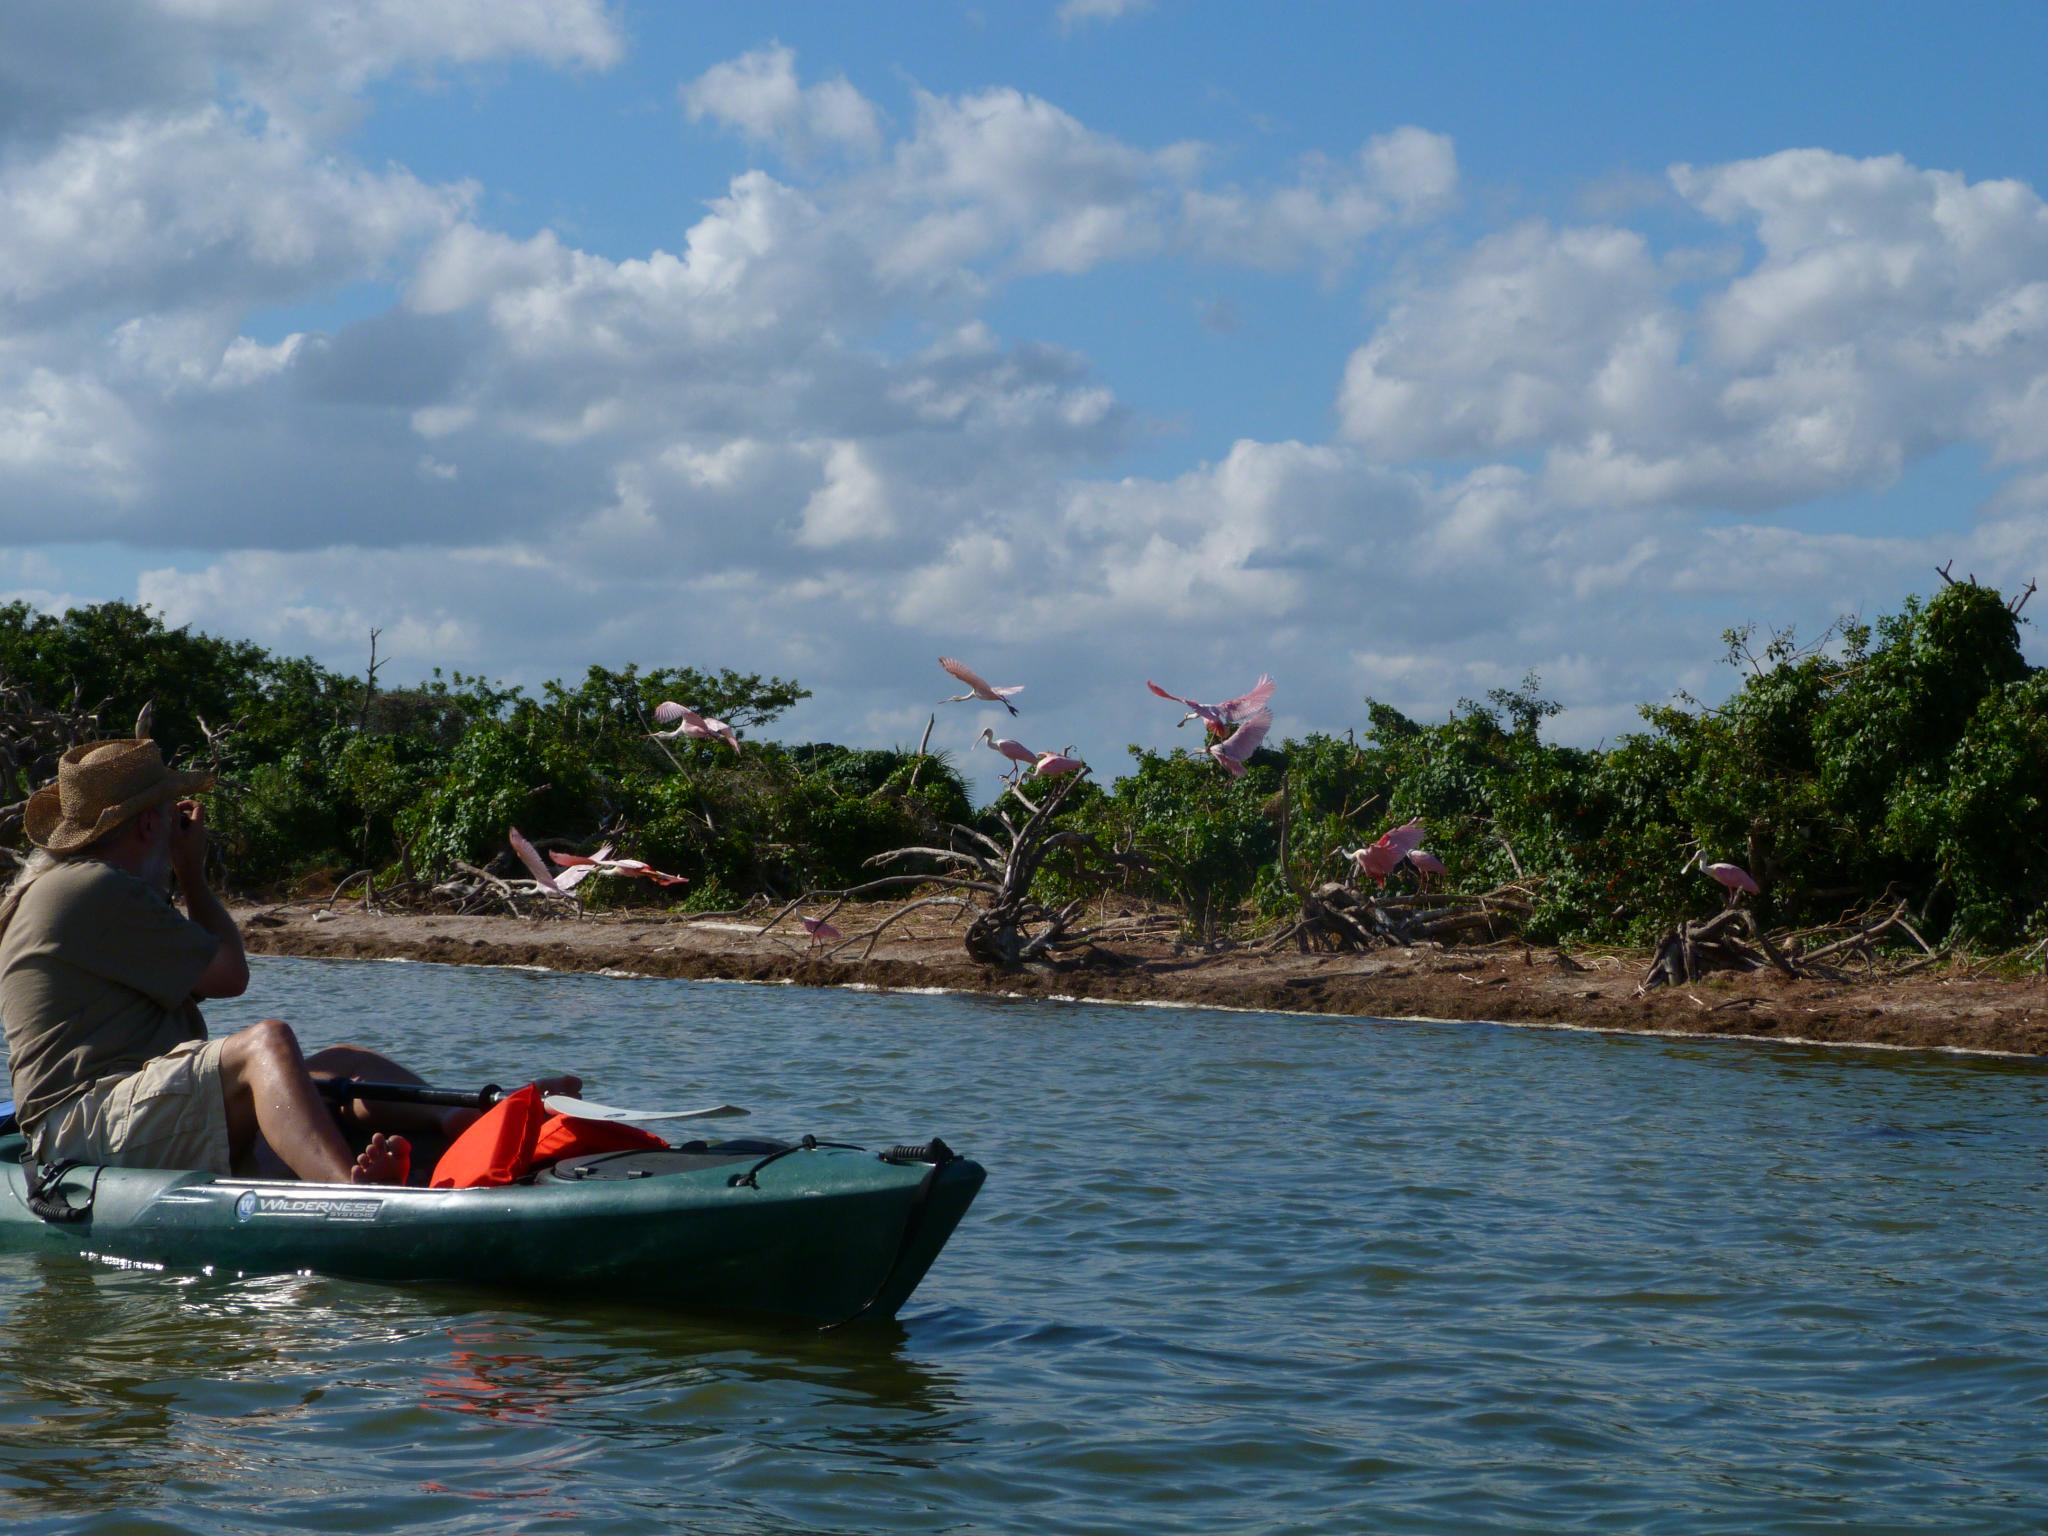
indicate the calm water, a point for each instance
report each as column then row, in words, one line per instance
column 1230, row 1272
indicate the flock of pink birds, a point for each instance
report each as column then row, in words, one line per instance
column 1236, row 728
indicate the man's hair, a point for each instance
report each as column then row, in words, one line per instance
column 40, row 862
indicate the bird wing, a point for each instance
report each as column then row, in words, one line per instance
column 965, row 673
column 1206, row 711
column 1247, row 703
column 1734, row 876
column 530, row 857
column 1244, row 741
column 668, row 712
column 1405, row 838
column 1004, row 693
column 569, row 879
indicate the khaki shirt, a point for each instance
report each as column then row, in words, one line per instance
column 96, row 976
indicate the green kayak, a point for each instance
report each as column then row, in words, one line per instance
column 813, row 1231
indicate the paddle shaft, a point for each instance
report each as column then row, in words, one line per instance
column 343, row 1089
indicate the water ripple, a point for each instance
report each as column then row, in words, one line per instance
column 1230, row 1272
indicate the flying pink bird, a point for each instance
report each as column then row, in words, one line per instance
column 821, row 932
column 1222, row 718
column 977, row 686
column 1052, row 764
column 693, row 725
column 535, row 865
column 1379, row 859
column 1733, row 877
column 1241, row 743
column 574, row 875
column 1015, row 751
column 600, row 863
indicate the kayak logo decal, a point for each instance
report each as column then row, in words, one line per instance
column 306, row 1207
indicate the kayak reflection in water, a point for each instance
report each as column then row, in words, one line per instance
column 101, row 978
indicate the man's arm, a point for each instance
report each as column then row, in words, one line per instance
column 227, row 974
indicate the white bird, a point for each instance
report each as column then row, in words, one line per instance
column 977, row 686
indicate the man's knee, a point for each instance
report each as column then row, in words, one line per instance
column 268, row 1040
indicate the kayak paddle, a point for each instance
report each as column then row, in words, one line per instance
column 344, row 1088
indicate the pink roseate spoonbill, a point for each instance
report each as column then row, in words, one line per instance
column 688, row 722
column 573, row 873
column 1231, row 752
column 1733, row 877
column 1015, row 751
column 977, row 686
column 1427, row 866
column 1225, row 717
column 1377, row 860
column 601, row 863
column 1052, row 764
column 821, row 932
column 535, row 865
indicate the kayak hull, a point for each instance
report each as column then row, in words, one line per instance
column 821, row 1234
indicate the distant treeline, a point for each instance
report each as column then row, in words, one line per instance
column 1905, row 760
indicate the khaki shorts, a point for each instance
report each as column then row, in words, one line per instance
column 168, row 1113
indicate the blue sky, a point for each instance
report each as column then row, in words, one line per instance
column 1392, row 349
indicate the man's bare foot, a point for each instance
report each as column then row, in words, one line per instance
column 386, row 1160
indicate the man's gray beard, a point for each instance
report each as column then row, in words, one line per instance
column 156, row 871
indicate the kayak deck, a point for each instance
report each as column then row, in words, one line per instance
column 828, row 1234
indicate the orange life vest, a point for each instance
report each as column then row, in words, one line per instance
column 519, row 1134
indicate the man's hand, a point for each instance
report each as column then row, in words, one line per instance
column 188, row 844
column 228, row 973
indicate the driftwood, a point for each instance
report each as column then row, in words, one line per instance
column 982, row 880
column 1337, row 916
column 1732, row 940
column 1715, row 944
column 32, row 737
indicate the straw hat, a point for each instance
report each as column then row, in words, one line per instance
column 99, row 786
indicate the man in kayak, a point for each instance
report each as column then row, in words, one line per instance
column 100, row 982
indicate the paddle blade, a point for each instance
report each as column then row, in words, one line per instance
column 584, row 1109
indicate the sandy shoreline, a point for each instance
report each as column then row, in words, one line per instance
column 1512, row 985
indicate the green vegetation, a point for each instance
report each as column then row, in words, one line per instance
column 1904, row 760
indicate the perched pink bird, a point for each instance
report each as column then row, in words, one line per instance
column 693, row 725
column 1733, row 877
column 601, row 864
column 977, row 687
column 1052, row 764
column 1241, row 744
column 1231, row 713
column 1015, row 751
column 1427, row 866
column 535, row 865
column 821, row 932
column 1378, row 860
